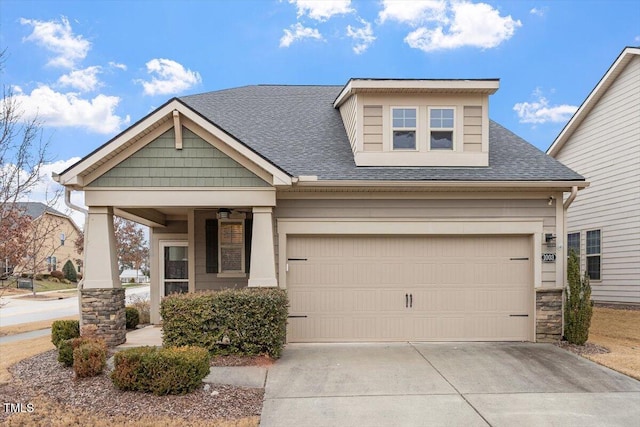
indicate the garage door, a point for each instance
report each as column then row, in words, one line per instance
column 409, row 288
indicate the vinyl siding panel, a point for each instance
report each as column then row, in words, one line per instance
column 372, row 129
column 349, row 113
column 198, row 164
column 472, row 129
column 436, row 209
column 605, row 148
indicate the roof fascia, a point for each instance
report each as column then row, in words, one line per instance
column 596, row 93
column 448, row 184
column 72, row 175
column 353, row 85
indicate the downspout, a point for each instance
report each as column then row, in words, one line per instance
column 70, row 205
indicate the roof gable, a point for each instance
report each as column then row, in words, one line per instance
column 617, row 68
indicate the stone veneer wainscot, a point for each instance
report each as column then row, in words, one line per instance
column 548, row 315
column 105, row 309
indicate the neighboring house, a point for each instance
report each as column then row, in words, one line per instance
column 50, row 242
column 128, row 275
column 390, row 210
column 602, row 142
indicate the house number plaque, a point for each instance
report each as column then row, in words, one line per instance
column 548, row 257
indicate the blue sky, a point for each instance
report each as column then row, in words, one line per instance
column 91, row 68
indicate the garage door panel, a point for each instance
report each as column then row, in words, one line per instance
column 353, row 288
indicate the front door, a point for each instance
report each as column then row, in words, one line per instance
column 174, row 268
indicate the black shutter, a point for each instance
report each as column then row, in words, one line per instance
column 211, row 237
column 248, row 230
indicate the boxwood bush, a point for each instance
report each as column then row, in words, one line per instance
column 245, row 321
column 64, row 330
column 89, row 357
column 66, row 348
column 132, row 317
column 161, row 371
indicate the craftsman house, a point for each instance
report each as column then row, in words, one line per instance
column 390, row 210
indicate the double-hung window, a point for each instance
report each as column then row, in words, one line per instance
column 594, row 248
column 231, row 245
column 573, row 243
column 441, row 125
column 404, row 125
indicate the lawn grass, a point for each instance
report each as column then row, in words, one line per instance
column 6, row 331
column 619, row 331
column 11, row 288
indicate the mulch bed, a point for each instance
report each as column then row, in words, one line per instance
column 583, row 350
column 44, row 375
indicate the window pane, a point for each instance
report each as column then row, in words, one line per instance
column 435, row 113
column 231, row 233
column 231, row 259
column 441, row 118
column 447, row 113
column 175, row 262
column 176, row 288
column 447, row 123
column 593, row 242
column 398, row 113
column 573, row 243
column 593, row 267
column 404, row 139
column 442, row 140
column 398, row 123
column 404, row 117
column 410, row 113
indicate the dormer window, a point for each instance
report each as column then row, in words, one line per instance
column 404, row 128
column 441, row 125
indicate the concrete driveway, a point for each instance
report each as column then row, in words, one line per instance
column 445, row 384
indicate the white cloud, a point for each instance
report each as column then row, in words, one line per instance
column 58, row 37
column 57, row 109
column 113, row 64
column 413, row 12
column 321, row 10
column 538, row 12
column 363, row 37
column 84, row 80
column 539, row 111
column 637, row 39
column 168, row 77
column 444, row 25
column 299, row 32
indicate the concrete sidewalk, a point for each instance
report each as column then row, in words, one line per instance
column 444, row 384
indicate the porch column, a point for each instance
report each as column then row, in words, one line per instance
column 101, row 262
column 102, row 296
column 262, row 272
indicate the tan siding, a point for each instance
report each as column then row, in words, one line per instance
column 605, row 148
column 349, row 112
column 437, row 209
column 372, row 129
column 198, row 164
column 472, row 136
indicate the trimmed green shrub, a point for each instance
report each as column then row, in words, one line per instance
column 65, row 352
column 161, row 371
column 89, row 357
column 69, row 271
column 64, row 330
column 57, row 274
column 245, row 321
column 132, row 316
column 578, row 307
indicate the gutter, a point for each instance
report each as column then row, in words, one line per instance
column 572, row 196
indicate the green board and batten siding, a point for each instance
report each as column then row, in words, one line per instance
column 198, row 164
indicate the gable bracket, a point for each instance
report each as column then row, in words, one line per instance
column 178, row 129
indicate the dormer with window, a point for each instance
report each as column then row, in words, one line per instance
column 417, row 122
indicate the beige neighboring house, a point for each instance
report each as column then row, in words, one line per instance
column 602, row 142
column 52, row 240
column 389, row 209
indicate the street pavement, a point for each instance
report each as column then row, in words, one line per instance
column 14, row 311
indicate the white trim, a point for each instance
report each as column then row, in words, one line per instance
column 558, row 185
column 454, row 133
column 162, row 244
column 160, row 115
column 592, row 99
column 400, row 129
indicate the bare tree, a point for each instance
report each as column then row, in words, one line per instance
column 22, row 155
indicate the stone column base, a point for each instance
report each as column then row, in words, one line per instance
column 549, row 315
column 105, row 309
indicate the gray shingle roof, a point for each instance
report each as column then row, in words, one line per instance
column 298, row 130
column 36, row 209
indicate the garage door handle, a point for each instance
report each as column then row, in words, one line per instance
column 518, row 315
column 297, row 317
column 411, row 300
column 406, row 300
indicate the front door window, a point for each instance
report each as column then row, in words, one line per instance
column 175, row 268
